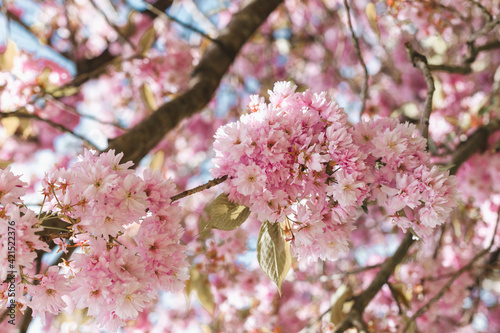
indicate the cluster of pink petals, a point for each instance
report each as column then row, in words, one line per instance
column 297, row 158
column 414, row 193
column 484, row 186
column 129, row 235
column 18, row 223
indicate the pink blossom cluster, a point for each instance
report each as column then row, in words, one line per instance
column 128, row 232
column 295, row 158
column 29, row 79
column 484, row 186
column 298, row 159
column 415, row 194
column 19, row 223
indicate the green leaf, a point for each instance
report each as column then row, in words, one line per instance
column 341, row 296
column 157, row 160
column 401, row 293
column 8, row 55
column 226, row 215
column 147, row 40
column 148, row 97
column 414, row 233
column 199, row 282
column 371, row 14
column 273, row 252
column 444, row 168
column 64, row 91
column 10, row 125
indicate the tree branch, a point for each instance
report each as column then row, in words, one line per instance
column 477, row 142
column 420, row 62
column 15, row 18
column 466, row 67
column 60, row 127
column 106, row 57
column 455, row 276
column 364, row 93
column 200, row 188
column 176, row 20
column 386, row 270
column 206, row 77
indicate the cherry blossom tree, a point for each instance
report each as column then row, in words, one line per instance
column 250, row 166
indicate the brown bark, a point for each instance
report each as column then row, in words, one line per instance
column 206, row 77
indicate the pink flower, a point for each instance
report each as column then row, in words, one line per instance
column 47, row 295
column 249, row 179
column 11, row 187
column 131, row 301
column 347, row 190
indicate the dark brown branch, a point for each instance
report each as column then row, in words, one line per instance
column 364, row 93
column 105, row 58
column 420, row 62
column 484, row 11
column 200, row 188
column 206, row 77
column 386, row 270
column 477, row 142
column 26, row 321
column 48, row 238
column 466, row 67
column 440, row 241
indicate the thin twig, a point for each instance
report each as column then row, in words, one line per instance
column 466, row 67
column 453, row 278
column 113, row 26
column 185, row 25
column 420, row 62
column 200, row 16
column 60, row 127
column 485, row 29
column 361, row 269
column 72, row 34
column 396, row 297
column 12, row 17
column 72, row 110
column 364, row 94
column 483, row 9
column 440, row 241
column 200, row 188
